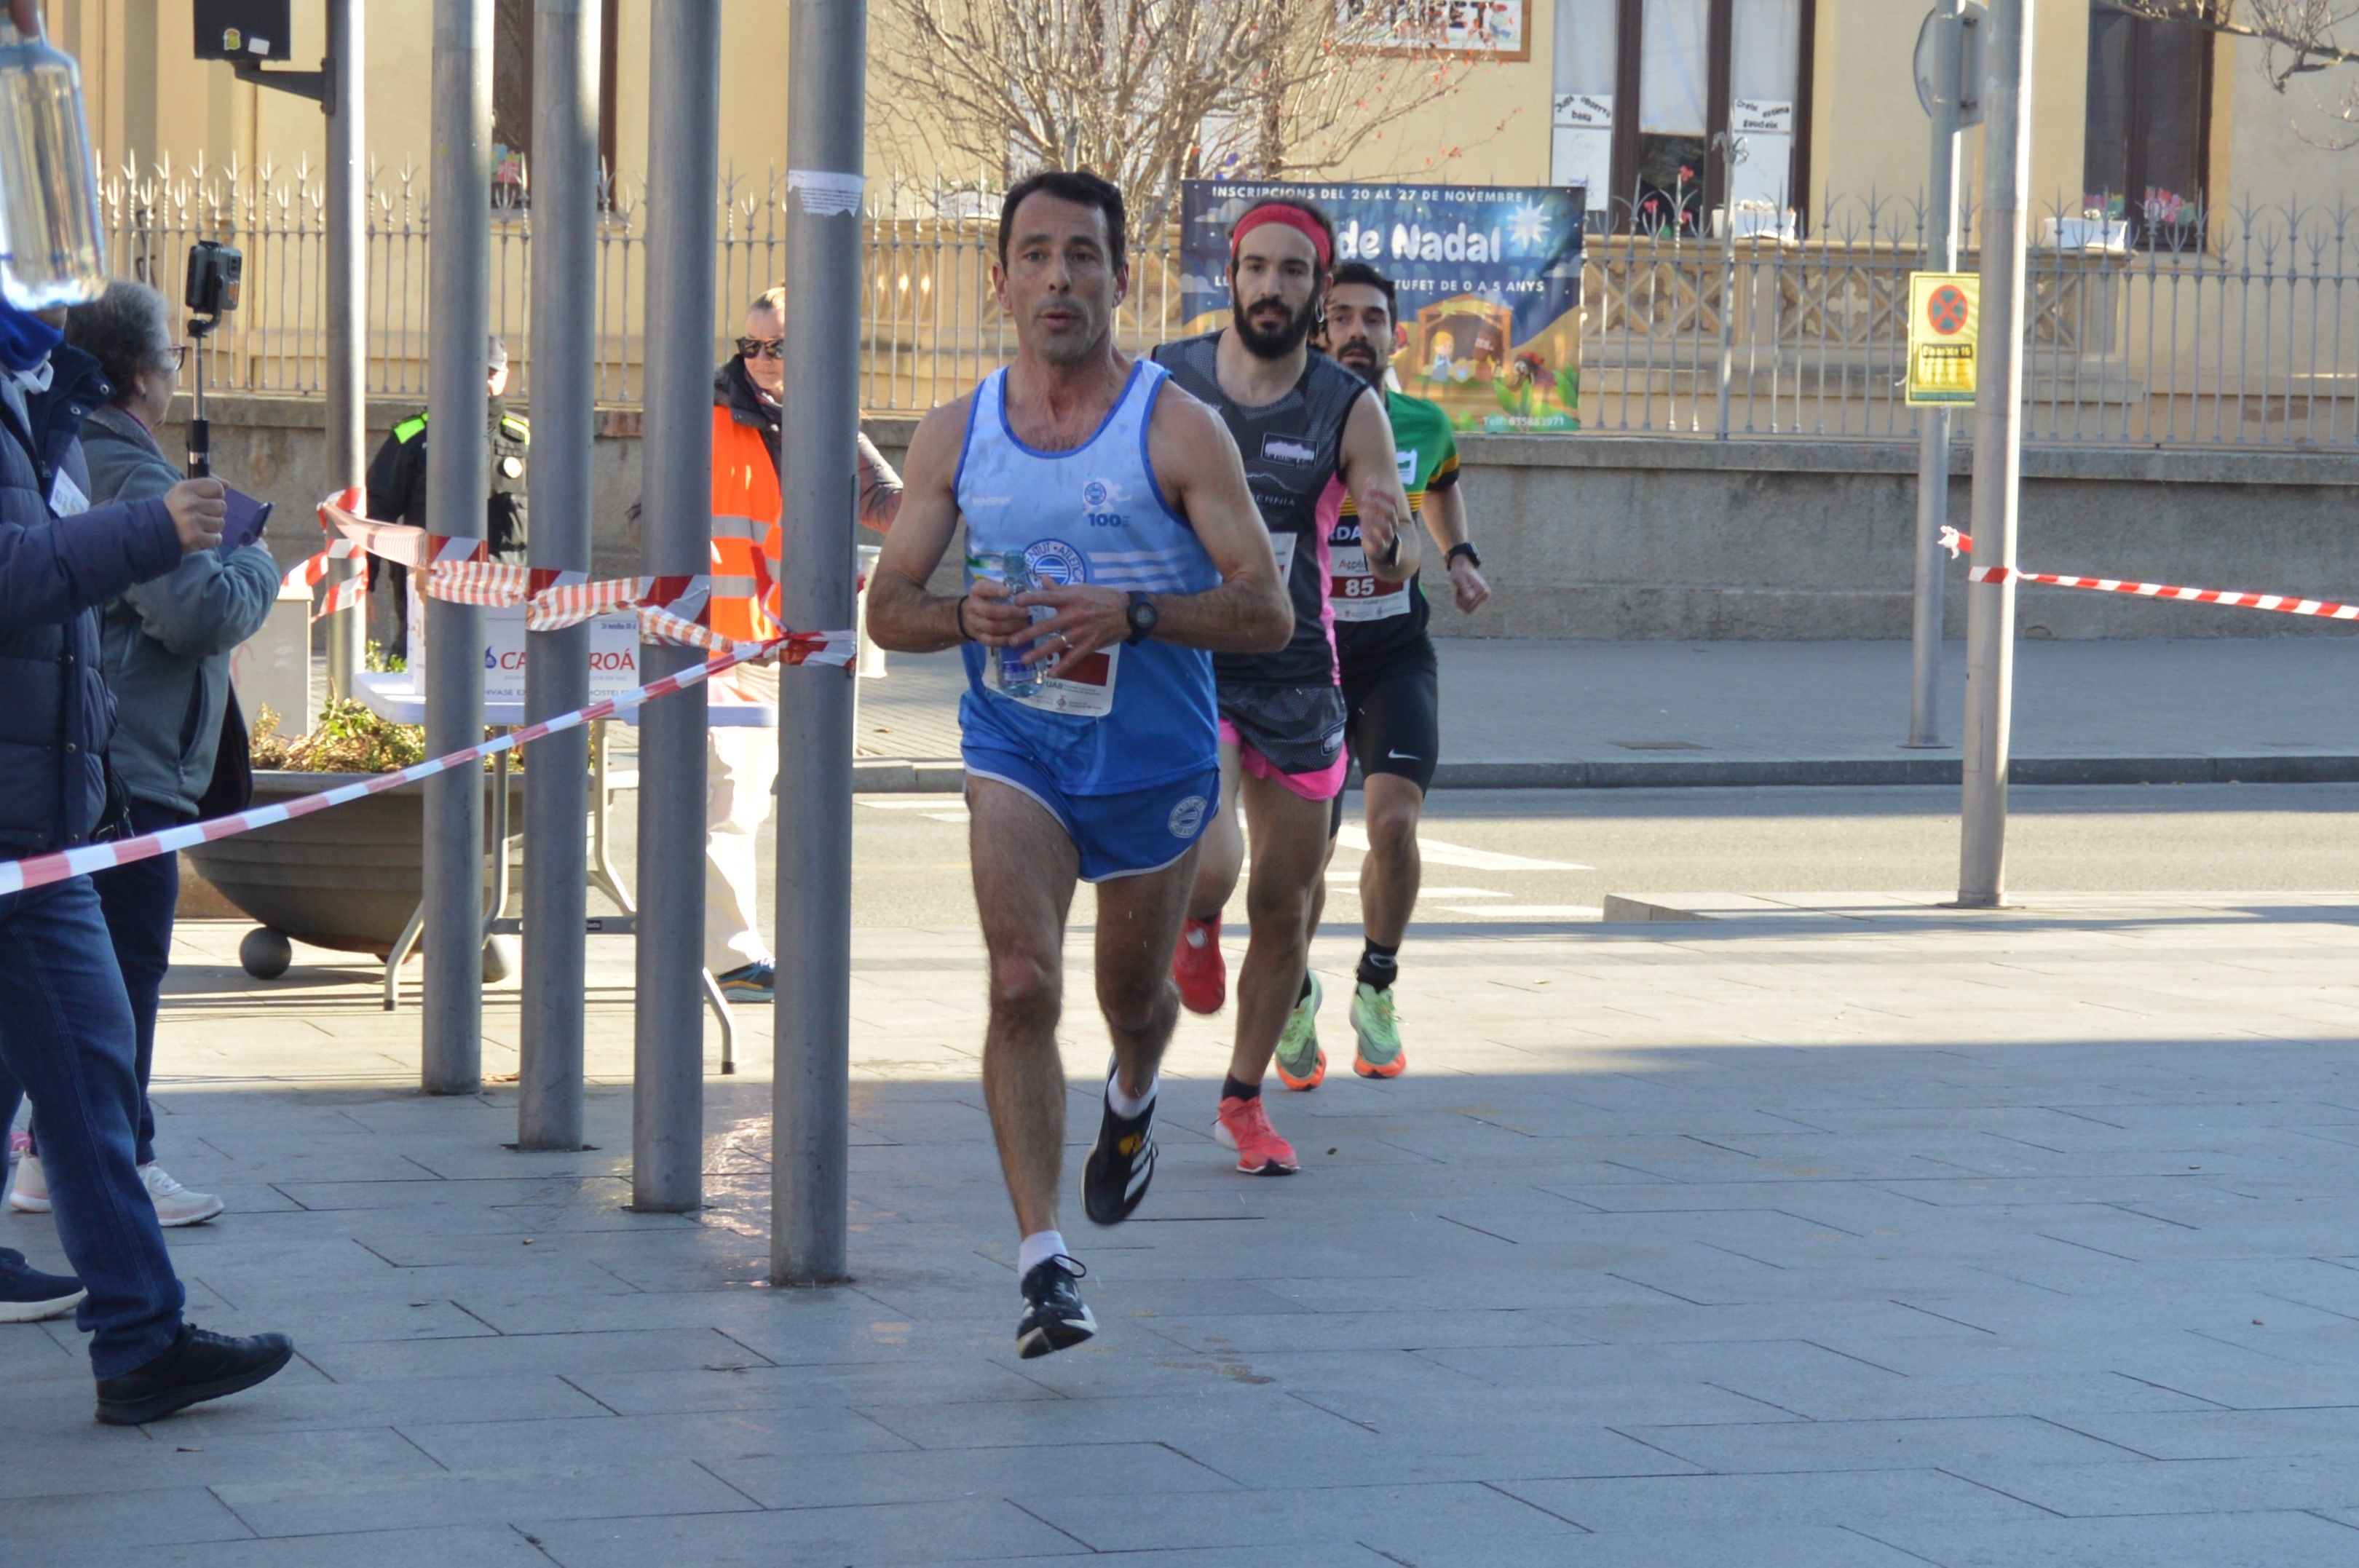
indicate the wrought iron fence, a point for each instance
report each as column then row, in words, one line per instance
column 2229, row 329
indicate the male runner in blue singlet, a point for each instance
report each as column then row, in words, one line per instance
column 1301, row 421
column 1128, row 497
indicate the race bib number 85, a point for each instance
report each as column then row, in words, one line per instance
column 1356, row 592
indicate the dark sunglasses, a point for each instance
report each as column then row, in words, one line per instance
column 762, row 348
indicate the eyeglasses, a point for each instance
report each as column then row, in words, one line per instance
column 762, row 348
column 178, row 355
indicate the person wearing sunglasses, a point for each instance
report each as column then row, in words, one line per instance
column 742, row 765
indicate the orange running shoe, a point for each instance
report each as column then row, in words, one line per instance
column 1243, row 1126
column 1197, row 966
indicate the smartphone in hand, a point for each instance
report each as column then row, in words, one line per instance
column 247, row 518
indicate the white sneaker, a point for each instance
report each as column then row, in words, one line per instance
column 31, row 1193
column 176, row 1205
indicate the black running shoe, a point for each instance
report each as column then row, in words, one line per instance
column 1054, row 1316
column 1121, row 1165
column 199, row 1366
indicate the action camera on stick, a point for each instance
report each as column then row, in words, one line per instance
column 216, row 276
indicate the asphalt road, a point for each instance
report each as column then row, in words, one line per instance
column 1537, row 856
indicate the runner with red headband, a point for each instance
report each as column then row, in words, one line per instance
column 1300, row 420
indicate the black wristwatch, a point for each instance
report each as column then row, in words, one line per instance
column 1462, row 548
column 1143, row 617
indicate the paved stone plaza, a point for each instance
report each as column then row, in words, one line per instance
column 1820, row 1233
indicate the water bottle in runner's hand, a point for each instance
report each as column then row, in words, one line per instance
column 1018, row 678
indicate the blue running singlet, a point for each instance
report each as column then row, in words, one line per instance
column 1131, row 718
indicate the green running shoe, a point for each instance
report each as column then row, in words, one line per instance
column 1378, row 1053
column 1300, row 1064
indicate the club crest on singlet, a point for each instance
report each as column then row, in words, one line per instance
column 1053, row 560
column 1106, row 505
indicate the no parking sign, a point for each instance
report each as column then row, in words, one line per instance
column 1945, row 321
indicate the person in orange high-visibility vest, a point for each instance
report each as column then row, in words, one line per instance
column 742, row 765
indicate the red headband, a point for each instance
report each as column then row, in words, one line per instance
column 1290, row 215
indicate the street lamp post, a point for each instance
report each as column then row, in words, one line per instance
column 827, row 63
column 557, row 668
column 458, row 409
column 683, row 170
column 347, row 308
column 1998, row 456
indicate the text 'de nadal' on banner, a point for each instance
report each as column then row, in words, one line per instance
column 1489, row 279
column 1945, row 324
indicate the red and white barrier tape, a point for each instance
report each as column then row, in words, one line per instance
column 794, row 648
column 670, row 608
column 2284, row 603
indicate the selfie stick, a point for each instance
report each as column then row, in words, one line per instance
column 201, row 429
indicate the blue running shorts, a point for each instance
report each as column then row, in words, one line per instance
column 1122, row 835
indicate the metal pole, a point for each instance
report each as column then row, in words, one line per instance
column 827, row 61
column 457, row 479
column 684, row 173
column 557, row 667
column 1933, row 423
column 1732, row 153
column 1998, row 456
column 347, row 287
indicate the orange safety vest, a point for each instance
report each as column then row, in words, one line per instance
column 745, row 536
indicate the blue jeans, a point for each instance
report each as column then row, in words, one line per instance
column 139, row 900
column 66, row 1033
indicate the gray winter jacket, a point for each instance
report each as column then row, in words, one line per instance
column 165, row 644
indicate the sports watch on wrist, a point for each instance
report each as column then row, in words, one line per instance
column 1466, row 549
column 1143, row 616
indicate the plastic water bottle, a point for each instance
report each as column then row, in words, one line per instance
column 52, row 251
column 1018, row 678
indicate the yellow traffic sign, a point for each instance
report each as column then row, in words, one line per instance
column 1945, row 323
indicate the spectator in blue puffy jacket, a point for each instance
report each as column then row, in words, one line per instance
column 66, row 1032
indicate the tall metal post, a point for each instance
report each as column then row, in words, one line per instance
column 684, row 172
column 565, row 49
column 1933, row 423
column 347, row 300
column 827, row 63
column 1998, row 456
column 457, row 481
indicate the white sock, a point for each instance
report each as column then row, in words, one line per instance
column 1037, row 1250
column 1125, row 1106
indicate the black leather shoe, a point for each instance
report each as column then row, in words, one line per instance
column 199, row 1367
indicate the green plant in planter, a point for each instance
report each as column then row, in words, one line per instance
column 349, row 739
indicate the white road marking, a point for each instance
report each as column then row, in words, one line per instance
column 1440, row 853
column 1528, row 911
column 911, row 801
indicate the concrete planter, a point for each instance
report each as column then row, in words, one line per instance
column 346, row 878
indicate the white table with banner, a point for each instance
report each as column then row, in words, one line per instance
column 399, row 697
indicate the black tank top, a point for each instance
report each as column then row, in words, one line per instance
column 1291, row 449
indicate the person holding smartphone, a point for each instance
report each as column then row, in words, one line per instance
column 164, row 648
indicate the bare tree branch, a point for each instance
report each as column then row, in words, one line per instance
column 1149, row 92
column 2300, row 34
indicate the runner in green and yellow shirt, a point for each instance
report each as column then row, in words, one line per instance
column 1390, row 675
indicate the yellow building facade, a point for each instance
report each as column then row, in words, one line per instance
column 1619, row 93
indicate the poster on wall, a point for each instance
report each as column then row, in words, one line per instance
column 1490, row 29
column 1489, row 279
